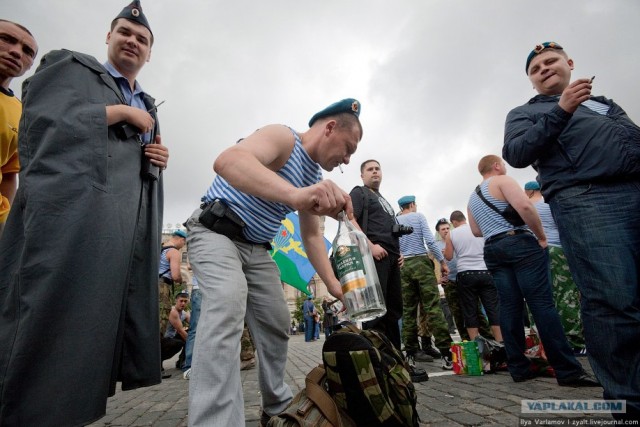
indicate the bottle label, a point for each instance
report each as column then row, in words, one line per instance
column 350, row 268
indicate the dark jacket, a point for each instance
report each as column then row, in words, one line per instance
column 569, row 149
column 79, row 254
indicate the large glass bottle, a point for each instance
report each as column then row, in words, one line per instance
column 356, row 271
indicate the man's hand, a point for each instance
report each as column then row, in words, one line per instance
column 378, row 252
column 444, row 270
column 400, row 261
column 574, row 95
column 157, row 153
column 132, row 115
column 323, row 198
column 543, row 242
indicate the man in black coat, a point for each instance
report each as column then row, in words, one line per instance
column 79, row 255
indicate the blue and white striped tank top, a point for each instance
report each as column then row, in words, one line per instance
column 165, row 269
column 261, row 216
column 489, row 221
column 548, row 223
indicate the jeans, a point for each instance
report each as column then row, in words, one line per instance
column 520, row 269
column 196, row 300
column 599, row 229
column 309, row 328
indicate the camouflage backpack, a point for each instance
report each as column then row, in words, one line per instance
column 368, row 378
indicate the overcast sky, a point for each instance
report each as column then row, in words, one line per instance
column 436, row 79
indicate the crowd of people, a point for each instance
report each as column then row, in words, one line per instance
column 84, row 227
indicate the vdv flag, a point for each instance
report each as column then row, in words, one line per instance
column 289, row 253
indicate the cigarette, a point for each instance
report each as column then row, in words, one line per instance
column 592, row 79
column 340, row 167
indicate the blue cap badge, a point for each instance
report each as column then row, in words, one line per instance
column 537, row 50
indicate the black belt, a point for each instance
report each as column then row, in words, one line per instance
column 499, row 236
column 474, row 273
column 226, row 222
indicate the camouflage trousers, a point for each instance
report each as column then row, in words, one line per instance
column 164, row 297
column 247, row 350
column 419, row 286
column 566, row 297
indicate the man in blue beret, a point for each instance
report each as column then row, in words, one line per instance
column 274, row 171
column 419, row 284
column 86, row 231
column 586, row 151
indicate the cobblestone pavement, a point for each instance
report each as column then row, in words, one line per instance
column 444, row 400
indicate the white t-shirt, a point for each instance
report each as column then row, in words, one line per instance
column 469, row 249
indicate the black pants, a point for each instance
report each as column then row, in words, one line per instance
column 474, row 284
column 169, row 347
column 389, row 275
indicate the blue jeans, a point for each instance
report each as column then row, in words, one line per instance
column 599, row 229
column 309, row 328
column 520, row 269
column 196, row 299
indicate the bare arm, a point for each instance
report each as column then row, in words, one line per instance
column 174, row 319
column 448, row 249
column 473, row 224
column 313, row 241
column 173, row 256
column 516, row 197
column 250, row 165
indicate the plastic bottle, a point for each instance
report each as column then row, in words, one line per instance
column 357, row 272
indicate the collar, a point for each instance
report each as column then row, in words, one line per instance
column 137, row 89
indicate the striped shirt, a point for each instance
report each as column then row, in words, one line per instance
column 489, row 221
column 263, row 217
column 548, row 223
column 164, row 269
column 414, row 243
column 596, row 106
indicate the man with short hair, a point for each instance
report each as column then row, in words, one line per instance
column 169, row 273
column 308, row 312
column 419, row 283
column 474, row 280
column 18, row 50
column 86, row 230
column 586, row 151
column 274, row 171
column 175, row 337
column 515, row 253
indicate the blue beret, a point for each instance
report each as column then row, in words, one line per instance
column 405, row 200
column 538, row 49
column 133, row 12
column 532, row 185
column 180, row 233
column 348, row 105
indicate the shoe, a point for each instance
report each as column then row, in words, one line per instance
column 432, row 351
column 447, row 364
column 522, row 378
column 264, row 419
column 418, row 375
column 187, row 374
column 580, row 352
column 421, row 356
column 245, row 365
column 163, row 374
column 583, row 380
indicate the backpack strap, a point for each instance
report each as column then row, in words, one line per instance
column 320, row 397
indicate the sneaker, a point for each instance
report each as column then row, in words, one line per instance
column 264, row 419
column 418, row 375
column 421, row 356
column 187, row 374
column 582, row 380
column 580, row 352
column 447, row 364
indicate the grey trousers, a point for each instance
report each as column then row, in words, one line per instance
column 238, row 281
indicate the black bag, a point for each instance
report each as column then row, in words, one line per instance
column 493, row 354
column 509, row 214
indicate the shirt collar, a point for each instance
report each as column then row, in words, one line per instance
column 137, row 89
